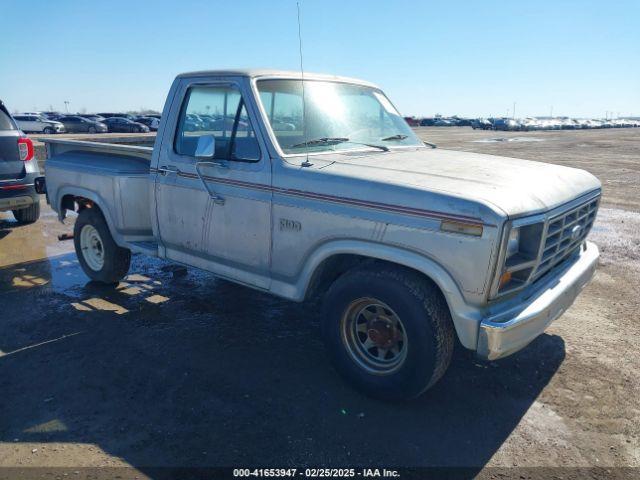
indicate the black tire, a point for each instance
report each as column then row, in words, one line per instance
column 92, row 130
column 29, row 214
column 425, row 319
column 116, row 259
column 48, row 130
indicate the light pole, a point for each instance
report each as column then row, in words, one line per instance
column 66, row 105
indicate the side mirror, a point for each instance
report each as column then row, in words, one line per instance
column 206, row 146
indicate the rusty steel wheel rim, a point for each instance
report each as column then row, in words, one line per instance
column 92, row 247
column 374, row 336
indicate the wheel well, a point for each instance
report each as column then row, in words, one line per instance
column 333, row 267
column 77, row 203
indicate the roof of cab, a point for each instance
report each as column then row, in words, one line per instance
column 264, row 72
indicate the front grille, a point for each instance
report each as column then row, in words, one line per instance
column 563, row 235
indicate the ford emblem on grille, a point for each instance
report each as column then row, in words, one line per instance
column 575, row 232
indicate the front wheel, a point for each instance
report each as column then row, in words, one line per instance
column 92, row 130
column 100, row 257
column 48, row 131
column 388, row 331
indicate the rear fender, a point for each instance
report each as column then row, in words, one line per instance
column 97, row 200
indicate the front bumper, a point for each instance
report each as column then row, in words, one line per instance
column 505, row 332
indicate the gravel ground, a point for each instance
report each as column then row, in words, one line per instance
column 176, row 368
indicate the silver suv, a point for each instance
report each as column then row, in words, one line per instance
column 18, row 171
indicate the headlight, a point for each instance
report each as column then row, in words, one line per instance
column 513, row 243
column 520, row 253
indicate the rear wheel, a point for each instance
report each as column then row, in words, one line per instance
column 100, row 257
column 29, row 214
column 388, row 331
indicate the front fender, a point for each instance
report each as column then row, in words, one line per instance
column 466, row 319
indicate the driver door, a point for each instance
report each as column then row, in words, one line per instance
column 214, row 208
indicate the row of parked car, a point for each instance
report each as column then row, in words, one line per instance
column 563, row 123
column 523, row 124
column 54, row 122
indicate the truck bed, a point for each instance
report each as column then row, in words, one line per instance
column 114, row 176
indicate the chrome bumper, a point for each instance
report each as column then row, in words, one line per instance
column 505, row 332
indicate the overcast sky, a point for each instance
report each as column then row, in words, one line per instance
column 472, row 58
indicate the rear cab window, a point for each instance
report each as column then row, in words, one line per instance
column 217, row 111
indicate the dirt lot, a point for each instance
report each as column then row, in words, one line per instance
column 176, row 368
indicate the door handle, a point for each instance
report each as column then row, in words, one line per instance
column 217, row 199
column 219, row 163
column 166, row 169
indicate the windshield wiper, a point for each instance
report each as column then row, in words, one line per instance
column 321, row 141
column 336, row 141
column 395, row 137
column 402, row 137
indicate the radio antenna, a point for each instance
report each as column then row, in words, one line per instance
column 304, row 100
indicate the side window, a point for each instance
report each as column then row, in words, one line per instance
column 219, row 112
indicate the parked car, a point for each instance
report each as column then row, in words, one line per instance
column 51, row 114
column 151, row 122
column 481, row 123
column 462, row 122
column 55, row 116
column 124, row 125
column 226, row 123
column 38, row 124
column 506, row 124
column 410, row 247
column 112, row 115
column 18, row 171
column 443, row 122
column 412, row 121
column 77, row 124
column 92, row 117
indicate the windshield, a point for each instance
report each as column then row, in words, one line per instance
column 338, row 116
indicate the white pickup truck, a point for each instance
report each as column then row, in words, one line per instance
column 319, row 187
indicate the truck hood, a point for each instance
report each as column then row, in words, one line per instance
column 511, row 186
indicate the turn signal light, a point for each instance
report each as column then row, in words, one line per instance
column 25, row 148
column 461, row 227
column 504, row 279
